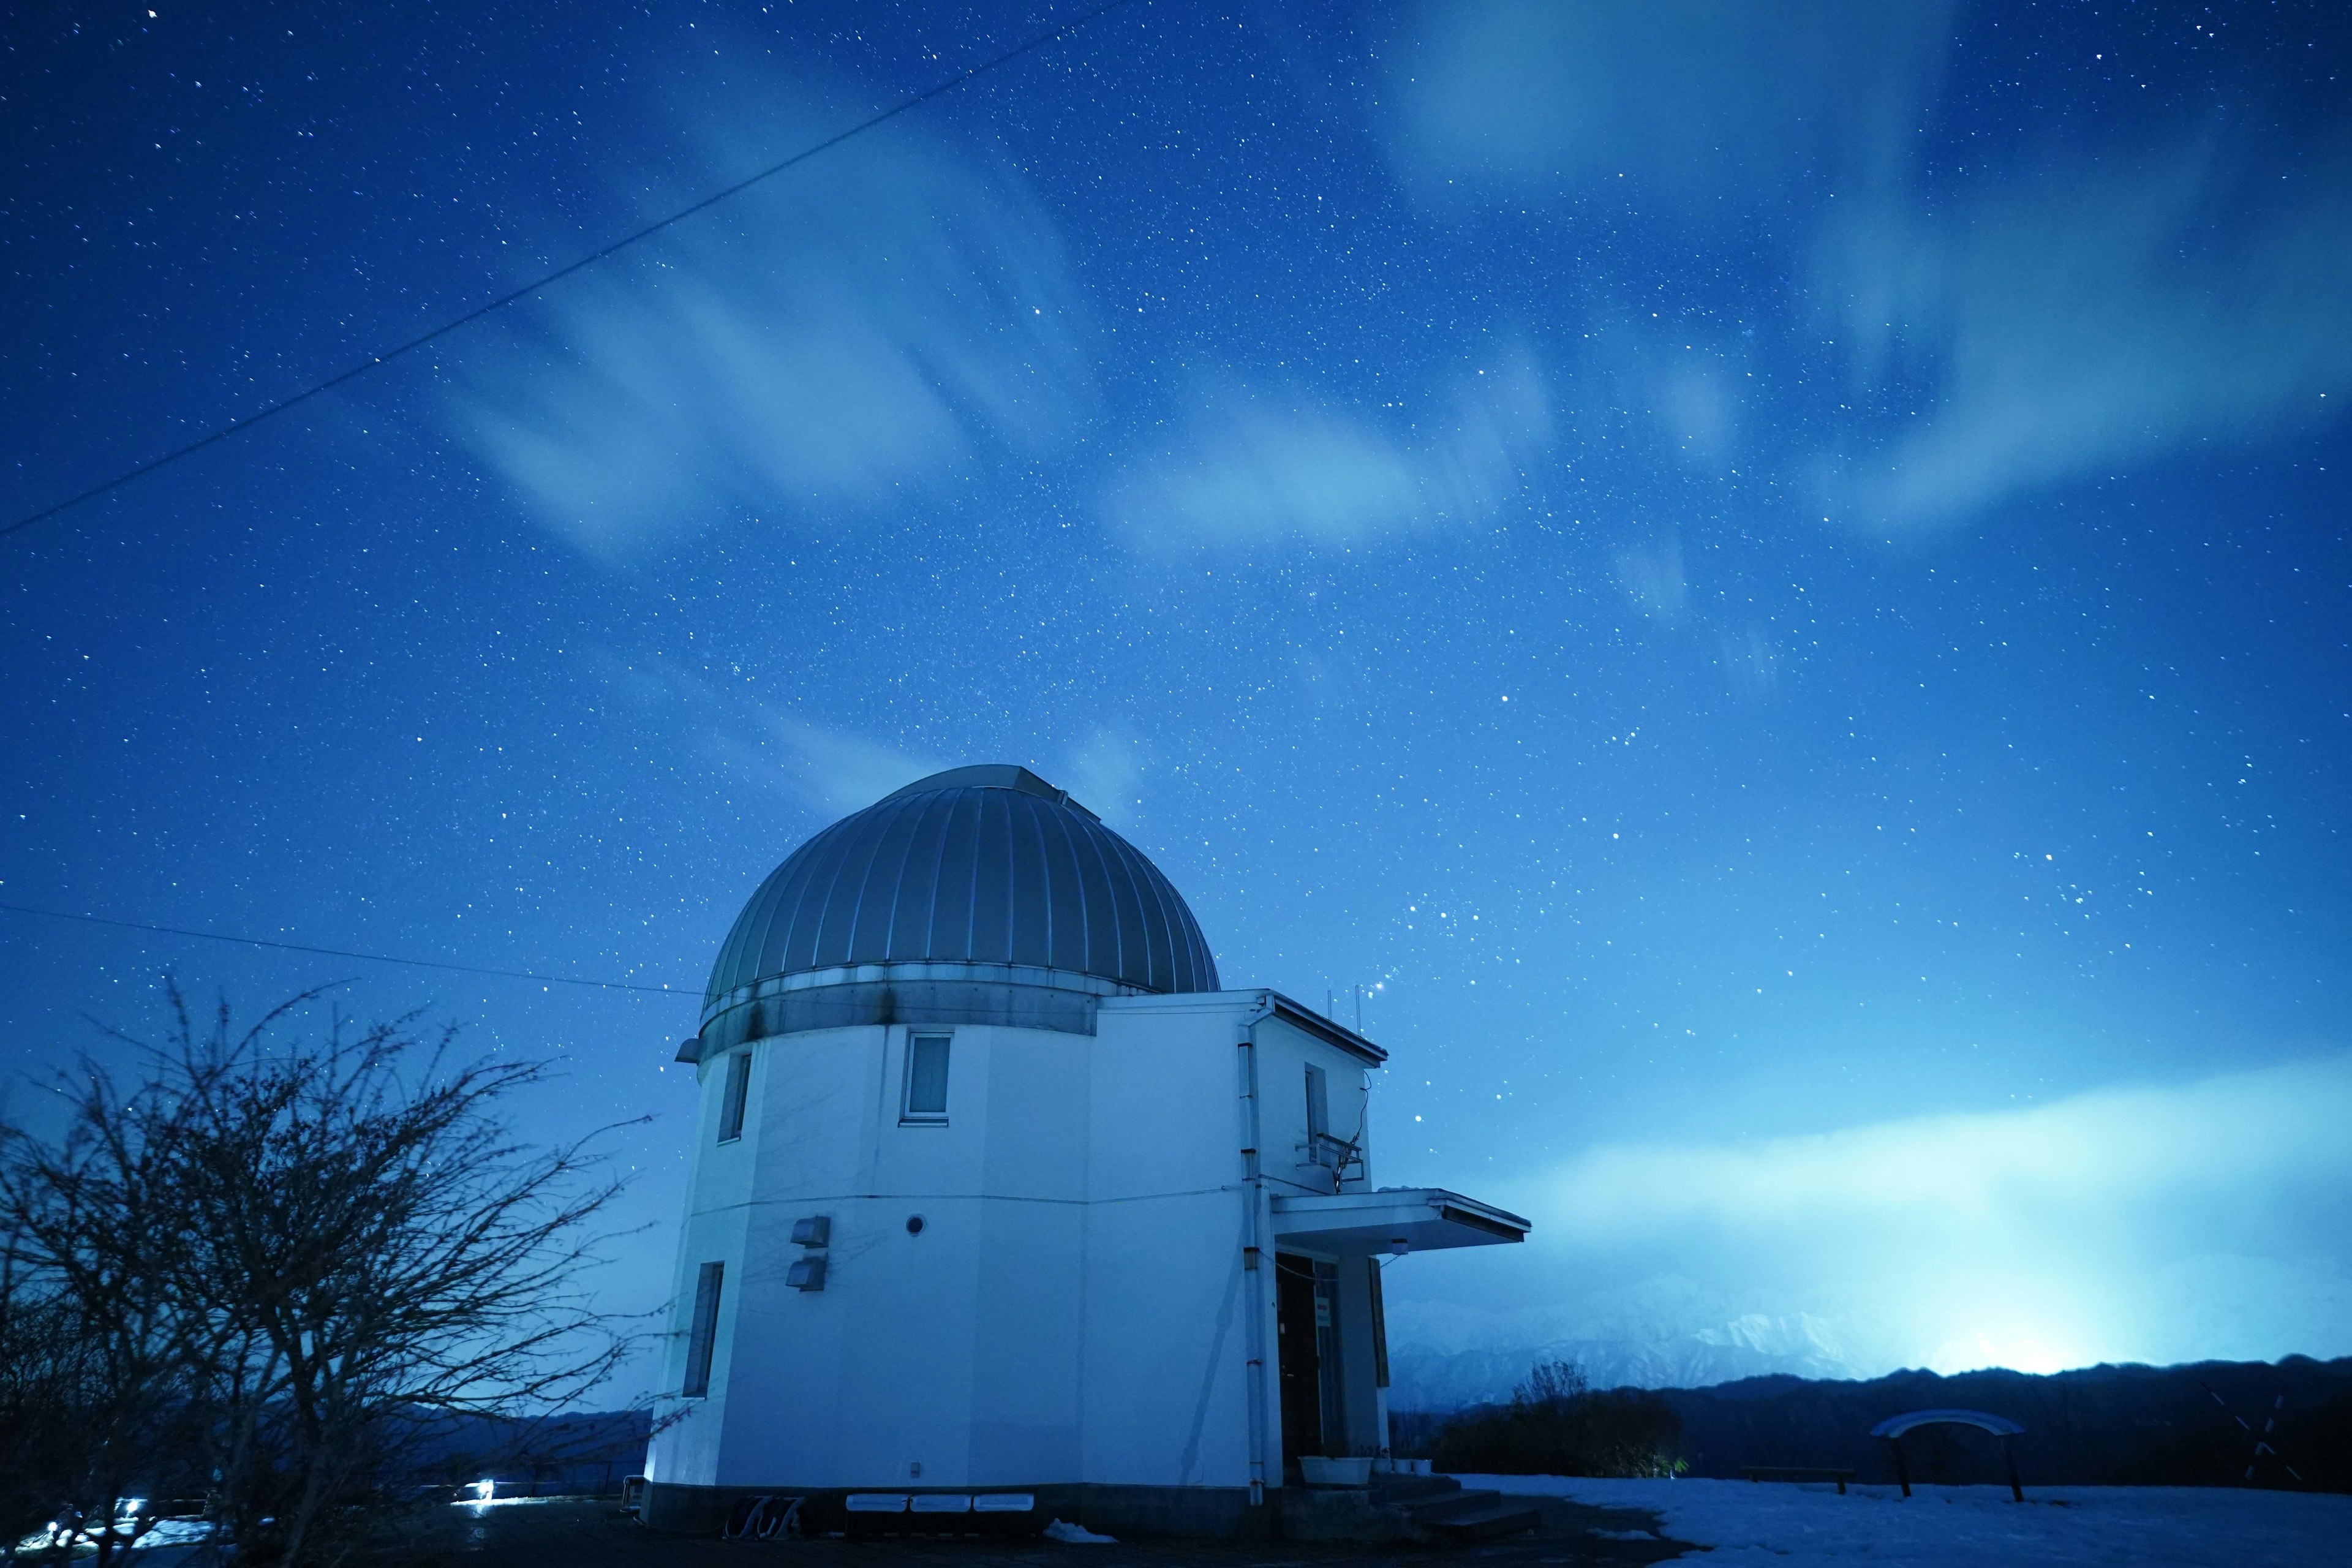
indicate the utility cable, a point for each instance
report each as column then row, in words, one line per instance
column 272, row 411
column 344, row 952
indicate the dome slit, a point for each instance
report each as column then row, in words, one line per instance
column 993, row 882
column 877, row 889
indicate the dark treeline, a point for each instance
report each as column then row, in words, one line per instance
column 570, row 1455
column 2102, row 1426
column 1555, row 1425
column 286, row 1286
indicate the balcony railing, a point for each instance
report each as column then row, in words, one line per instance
column 1341, row 1157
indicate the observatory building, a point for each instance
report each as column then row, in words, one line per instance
column 995, row 1193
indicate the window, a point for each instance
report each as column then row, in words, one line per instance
column 739, row 1087
column 926, row 1078
column 1319, row 1105
column 705, row 1337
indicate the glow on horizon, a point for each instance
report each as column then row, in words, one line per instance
column 2137, row 1223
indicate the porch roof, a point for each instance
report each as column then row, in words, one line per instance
column 1357, row 1225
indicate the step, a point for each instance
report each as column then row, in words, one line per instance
column 1410, row 1489
column 1453, row 1501
column 1484, row 1519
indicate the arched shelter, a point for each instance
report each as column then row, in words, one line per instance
column 1891, row 1430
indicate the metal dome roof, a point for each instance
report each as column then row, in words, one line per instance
column 988, row 867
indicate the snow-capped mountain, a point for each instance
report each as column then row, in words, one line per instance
column 1666, row 1332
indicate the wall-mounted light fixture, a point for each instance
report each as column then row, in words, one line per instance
column 813, row 1232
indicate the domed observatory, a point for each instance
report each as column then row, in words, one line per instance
column 999, row 1204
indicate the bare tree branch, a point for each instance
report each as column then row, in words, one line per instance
column 305, row 1254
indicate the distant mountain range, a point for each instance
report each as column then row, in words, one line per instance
column 1666, row 1332
column 1423, row 1380
column 2102, row 1425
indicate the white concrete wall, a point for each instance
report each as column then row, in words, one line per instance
column 1285, row 1052
column 1075, row 1308
column 1168, row 1307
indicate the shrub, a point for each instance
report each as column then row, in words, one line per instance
column 1558, row 1424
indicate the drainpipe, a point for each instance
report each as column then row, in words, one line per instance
column 1257, row 1268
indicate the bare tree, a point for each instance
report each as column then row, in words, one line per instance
column 347, row 1245
column 97, row 1340
column 46, row 1370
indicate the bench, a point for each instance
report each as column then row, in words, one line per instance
column 1796, row 1473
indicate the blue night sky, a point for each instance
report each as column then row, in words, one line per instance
column 1776, row 577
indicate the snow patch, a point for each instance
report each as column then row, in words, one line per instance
column 1965, row 1527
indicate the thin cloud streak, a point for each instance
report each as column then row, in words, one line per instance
column 2143, row 1223
column 1675, row 107
column 831, row 771
column 835, row 343
column 1289, row 467
column 2056, row 328
column 2276, row 1128
column 1958, row 346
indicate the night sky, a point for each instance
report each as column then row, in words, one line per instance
column 1774, row 577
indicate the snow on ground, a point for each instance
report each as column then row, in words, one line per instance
column 1792, row 1526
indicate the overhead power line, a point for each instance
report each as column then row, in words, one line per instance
column 272, row 411
column 345, row 953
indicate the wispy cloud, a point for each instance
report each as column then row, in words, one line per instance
column 832, row 341
column 2055, row 327
column 839, row 771
column 1287, row 465
column 2015, row 328
column 831, row 770
column 1652, row 578
column 2282, row 1123
column 1107, row 773
column 1675, row 106
column 2034, row 1234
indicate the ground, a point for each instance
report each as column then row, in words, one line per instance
column 567, row 1534
column 1586, row 1524
column 1788, row 1526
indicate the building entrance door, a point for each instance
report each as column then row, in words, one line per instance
column 1305, row 1355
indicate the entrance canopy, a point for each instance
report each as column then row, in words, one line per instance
column 1394, row 1219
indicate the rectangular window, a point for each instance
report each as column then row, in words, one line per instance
column 705, row 1336
column 926, row 1078
column 1319, row 1105
column 739, row 1089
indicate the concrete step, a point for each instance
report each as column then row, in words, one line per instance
column 1477, row 1516
column 1456, row 1497
column 1409, row 1490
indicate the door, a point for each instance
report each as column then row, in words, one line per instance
column 1299, row 1358
column 1306, row 1302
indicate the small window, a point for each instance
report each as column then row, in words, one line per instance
column 705, row 1336
column 1319, row 1105
column 926, row 1078
column 739, row 1087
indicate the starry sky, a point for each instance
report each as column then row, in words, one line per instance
column 1770, row 581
